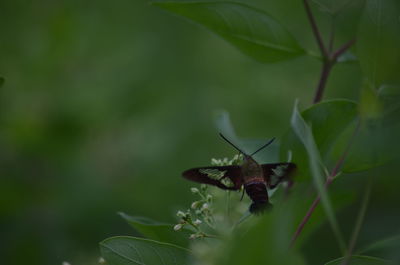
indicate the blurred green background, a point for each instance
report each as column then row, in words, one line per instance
column 106, row 103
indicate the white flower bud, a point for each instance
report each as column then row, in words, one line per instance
column 214, row 161
column 102, row 261
column 197, row 222
column 180, row 214
column 193, row 236
column 178, row 227
column 195, row 204
column 205, row 206
column 209, row 198
column 194, row 190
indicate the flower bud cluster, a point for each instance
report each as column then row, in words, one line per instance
column 197, row 235
column 200, row 213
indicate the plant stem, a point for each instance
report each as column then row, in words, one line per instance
column 329, row 58
column 326, row 69
column 342, row 49
column 309, row 213
column 315, row 29
column 359, row 222
column 209, row 235
column 328, row 182
column 327, row 65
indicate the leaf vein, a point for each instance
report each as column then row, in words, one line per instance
column 123, row 256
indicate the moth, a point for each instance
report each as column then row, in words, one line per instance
column 255, row 178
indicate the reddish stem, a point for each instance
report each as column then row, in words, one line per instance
column 328, row 182
column 315, row 29
column 326, row 69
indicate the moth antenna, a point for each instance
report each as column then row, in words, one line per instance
column 262, row 147
column 237, row 148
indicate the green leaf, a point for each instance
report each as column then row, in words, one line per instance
column 252, row 31
column 390, row 98
column 371, row 132
column 333, row 125
column 371, row 135
column 370, row 105
column 328, row 120
column 331, row 7
column 347, row 57
column 390, row 243
column 123, row 250
column 158, row 231
column 2, row 80
column 304, row 133
column 264, row 239
column 378, row 41
column 361, row 260
column 267, row 155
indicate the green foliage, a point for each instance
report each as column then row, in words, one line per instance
column 157, row 231
column 361, row 260
column 379, row 41
column 328, row 121
column 317, row 169
column 264, row 240
column 252, row 31
column 387, row 247
column 331, row 7
column 125, row 250
column 104, row 105
column 324, row 140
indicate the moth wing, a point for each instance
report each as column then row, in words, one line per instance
column 278, row 172
column 209, row 175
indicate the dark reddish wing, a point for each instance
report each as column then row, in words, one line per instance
column 286, row 170
column 234, row 173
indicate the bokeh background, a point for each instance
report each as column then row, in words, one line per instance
column 105, row 103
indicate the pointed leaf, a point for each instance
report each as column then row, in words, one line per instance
column 123, row 250
column 328, row 120
column 263, row 240
column 379, row 41
column 361, row 260
column 304, row 133
column 386, row 245
column 252, row 31
column 158, row 231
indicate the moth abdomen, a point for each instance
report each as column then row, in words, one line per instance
column 257, row 191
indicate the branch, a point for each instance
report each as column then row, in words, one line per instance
column 326, row 69
column 342, row 49
column 315, row 30
column 328, row 182
column 359, row 222
column 307, row 217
